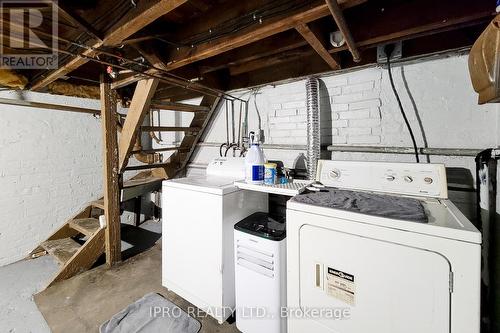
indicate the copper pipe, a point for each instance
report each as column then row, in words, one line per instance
column 338, row 16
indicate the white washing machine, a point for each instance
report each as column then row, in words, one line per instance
column 199, row 214
column 381, row 249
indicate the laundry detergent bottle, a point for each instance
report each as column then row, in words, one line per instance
column 254, row 163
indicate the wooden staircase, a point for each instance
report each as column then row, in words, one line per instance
column 79, row 243
column 142, row 103
column 76, row 245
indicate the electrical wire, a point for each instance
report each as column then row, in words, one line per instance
column 391, row 79
column 173, row 79
column 241, row 22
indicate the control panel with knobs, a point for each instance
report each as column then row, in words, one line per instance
column 427, row 180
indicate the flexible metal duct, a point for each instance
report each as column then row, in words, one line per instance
column 313, row 127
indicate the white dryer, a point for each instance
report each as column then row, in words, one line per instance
column 381, row 249
column 199, row 214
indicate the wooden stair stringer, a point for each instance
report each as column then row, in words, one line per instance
column 63, row 231
column 83, row 259
column 179, row 160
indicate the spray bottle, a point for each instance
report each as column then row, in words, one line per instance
column 254, row 162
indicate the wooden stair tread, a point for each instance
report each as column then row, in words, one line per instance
column 147, row 166
column 62, row 249
column 141, row 181
column 87, row 226
column 178, row 107
column 98, row 203
column 169, row 129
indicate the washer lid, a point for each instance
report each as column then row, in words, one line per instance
column 206, row 184
column 444, row 219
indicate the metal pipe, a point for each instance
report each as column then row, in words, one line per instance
column 227, row 122
column 406, row 150
column 239, row 125
column 313, row 127
column 486, row 202
column 338, row 16
column 172, row 79
column 233, row 129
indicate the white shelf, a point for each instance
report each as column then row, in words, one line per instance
column 290, row 189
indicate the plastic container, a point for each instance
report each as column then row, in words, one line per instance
column 254, row 165
column 270, row 173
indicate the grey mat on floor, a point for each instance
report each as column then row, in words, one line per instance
column 144, row 316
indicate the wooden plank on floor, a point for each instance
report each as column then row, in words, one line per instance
column 110, row 165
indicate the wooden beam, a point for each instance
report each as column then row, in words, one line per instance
column 433, row 16
column 123, row 82
column 423, row 30
column 271, row 60
column 252, row 34
column 311, row 64
column 111, row 180
column 66, row 12
column 338, row 16
column 139, row 106
column 30, row 104
column 316, row 44
column 273, row 45
column 146, row 12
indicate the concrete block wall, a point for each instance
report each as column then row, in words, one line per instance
column 50, row 166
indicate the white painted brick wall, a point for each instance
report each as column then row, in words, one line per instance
column 50, row 166
column 361, row 110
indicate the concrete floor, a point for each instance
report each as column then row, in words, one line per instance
column 20, row 280
column 18, row 283
column 83, row 302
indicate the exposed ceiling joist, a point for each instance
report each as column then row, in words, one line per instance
column 146, row 12
column 271, row 60
column 252, row 34
column 274, row 45
column 317, row 45
column 73, row 18
column 338, row 16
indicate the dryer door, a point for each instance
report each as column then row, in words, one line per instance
column 382, row 287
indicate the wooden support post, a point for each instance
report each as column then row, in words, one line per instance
column 111, row 180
